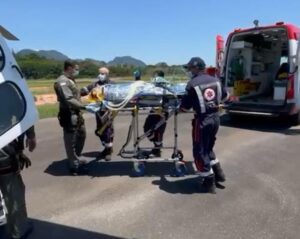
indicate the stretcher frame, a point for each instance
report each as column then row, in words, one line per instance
column 169, row 105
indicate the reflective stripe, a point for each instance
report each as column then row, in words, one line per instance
column 205, row 174
column 219, row 92
column 214, row 162
column 158, row 143
column 109, row 145
column 210, row 85
column 200, row 98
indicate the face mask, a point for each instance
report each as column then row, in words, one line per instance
column 102, row 77
column 190, row 74
column 75, row 73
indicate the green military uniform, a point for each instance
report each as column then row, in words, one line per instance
column 12, row 186
column 70, row 118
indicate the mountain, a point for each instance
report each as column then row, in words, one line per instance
column 51, row 54
column 126, row 60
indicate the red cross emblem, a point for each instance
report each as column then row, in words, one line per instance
column 209, row 94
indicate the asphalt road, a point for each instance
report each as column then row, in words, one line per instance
column 261, row 198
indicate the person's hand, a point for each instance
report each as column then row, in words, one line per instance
column 92, row 108
column 30, row 144
column 24, row 161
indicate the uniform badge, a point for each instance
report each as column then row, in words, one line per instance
column 209, row 94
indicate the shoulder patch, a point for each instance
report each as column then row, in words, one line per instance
column 63, row 83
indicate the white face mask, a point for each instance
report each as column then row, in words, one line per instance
column 189, row 74
column 102, row 77
column 75, row 73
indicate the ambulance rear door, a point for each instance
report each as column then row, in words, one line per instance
column 297, row 75
column 17, row 108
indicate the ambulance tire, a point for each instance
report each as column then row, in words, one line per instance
column 295, row 119
column 233, row 118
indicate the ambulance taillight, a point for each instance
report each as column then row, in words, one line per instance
column 291, row 87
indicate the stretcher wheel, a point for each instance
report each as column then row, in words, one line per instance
column 138, row 169
column 179, row 155
column 179, row 169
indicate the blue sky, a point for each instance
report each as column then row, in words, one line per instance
column 154, row 31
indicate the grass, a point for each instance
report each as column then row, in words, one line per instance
column 47, row 110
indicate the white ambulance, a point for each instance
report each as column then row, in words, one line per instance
column 17, row 108
column 260, row 68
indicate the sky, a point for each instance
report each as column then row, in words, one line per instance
column 153, row 31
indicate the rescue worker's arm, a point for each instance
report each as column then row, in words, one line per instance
column 65, row 93
column 87, row 89
column 30, row 139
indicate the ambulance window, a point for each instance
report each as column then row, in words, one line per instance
column 12, row 106
column 2, row 62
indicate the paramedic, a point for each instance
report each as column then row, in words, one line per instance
column 155, row 116
column 107, row 135
column 70, row 117
column 12, row 161
column 204, row 94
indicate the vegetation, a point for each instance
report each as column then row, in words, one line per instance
column 47, row 110
column 38, row 67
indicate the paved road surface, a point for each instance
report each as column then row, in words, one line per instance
column 261, row 198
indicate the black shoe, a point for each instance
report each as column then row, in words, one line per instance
column 105, row 154
column 156, row 153
column 207, row 184
column 219, row 173
column 81, row 170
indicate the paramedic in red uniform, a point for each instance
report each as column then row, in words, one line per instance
column 204, row 94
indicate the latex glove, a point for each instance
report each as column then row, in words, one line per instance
column 24, row 161
column 30, row 144
column 92, row 108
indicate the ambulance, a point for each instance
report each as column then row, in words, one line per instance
column 17, row 108
column 260, row 68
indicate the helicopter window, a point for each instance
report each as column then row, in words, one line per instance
column 12, row 110
column 2, row 59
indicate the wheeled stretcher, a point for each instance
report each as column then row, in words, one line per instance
column 138, row 98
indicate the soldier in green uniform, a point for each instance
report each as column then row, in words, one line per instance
column 12, row 161
column 70, row 116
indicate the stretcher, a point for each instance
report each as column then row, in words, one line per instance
column 138, row 98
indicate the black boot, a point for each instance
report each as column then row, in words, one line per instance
column 105, row 154
column 156, row 152
column 219, row 174
column 207, row 184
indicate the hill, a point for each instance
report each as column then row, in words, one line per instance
column 50, row 54
column 126, row 60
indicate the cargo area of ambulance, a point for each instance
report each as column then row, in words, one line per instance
column 259, row 70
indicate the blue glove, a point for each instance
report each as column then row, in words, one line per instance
column 92, row 108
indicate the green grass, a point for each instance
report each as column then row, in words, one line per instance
column 47, row 110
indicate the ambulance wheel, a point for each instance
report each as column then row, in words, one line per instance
column 138, row 169
column 295, row 119
column 179, row 155
column 179, row 169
